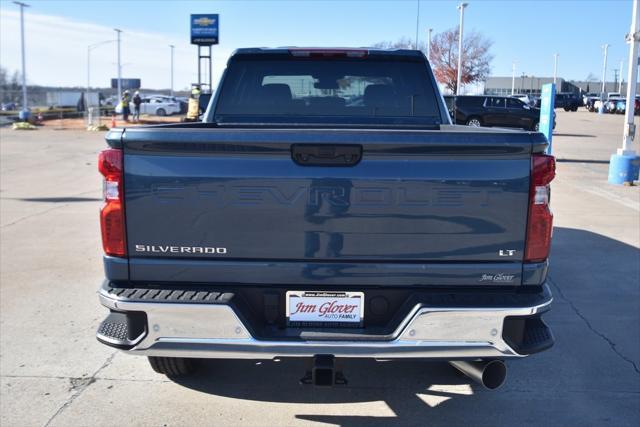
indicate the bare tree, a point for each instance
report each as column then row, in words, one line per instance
column 3, row 77
column 444, row 56
column 476, row 58
column 592, row 78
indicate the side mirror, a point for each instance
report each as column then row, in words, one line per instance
column 526, row 107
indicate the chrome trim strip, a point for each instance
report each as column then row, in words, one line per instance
column 215, row 331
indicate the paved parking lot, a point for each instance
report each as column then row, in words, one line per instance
column 53, row 372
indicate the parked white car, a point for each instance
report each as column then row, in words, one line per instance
column 155, row 106
column 524, row 98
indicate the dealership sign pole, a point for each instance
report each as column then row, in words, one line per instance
column 204, row 32
column 625, row 164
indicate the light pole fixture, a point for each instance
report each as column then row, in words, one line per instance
column 461, row 8
column 513, row 77
column 555, row 67
column 429, row 43
column 24, row 68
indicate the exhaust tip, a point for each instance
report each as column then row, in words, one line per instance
column 490, row 374
column 494, row 374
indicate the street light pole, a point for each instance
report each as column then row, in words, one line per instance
column 171, row 46
column 623, row 166
column 119, row 67
column 429, row 43
column 513, row 77
column 461, row 8
column 417, row 23
column 633, row 38
column 24, row 69
column 89, row 49
column 555, row 68
column 604, row 70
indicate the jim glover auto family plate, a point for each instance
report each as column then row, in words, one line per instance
column 315, row 308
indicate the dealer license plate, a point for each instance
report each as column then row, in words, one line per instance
column 314, row 308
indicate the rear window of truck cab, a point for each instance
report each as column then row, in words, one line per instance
column 313, row 88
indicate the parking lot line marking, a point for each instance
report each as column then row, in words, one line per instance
column 611, row 197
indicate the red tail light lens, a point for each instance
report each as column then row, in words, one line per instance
column 112, row 213
column 540, row 223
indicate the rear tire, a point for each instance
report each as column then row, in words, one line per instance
column 574, row 109
column 161, row 112
column 474, row 121
column 172, row 366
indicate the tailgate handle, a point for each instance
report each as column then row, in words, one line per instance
column 326, row 154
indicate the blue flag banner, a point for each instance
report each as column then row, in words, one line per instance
column 547, row 101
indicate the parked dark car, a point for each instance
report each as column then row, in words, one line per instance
column 488, row 110
column 590, row 102
column 568, row 101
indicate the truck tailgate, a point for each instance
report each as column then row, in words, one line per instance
column 420, row 207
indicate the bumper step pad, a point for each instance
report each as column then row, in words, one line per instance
column 122, row 330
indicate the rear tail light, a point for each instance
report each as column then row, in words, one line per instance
column 112, row 213
column 540, row 223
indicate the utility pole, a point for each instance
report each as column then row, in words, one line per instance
column 604, row 70
column 24, row 68
column 513, row 77
column 623, row 167
column 555, row 68
column 171, row 46
column 119, row 67
column 429, row 43
column 621, row 79
column 461, row 8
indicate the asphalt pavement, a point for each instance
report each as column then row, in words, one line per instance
column 54, row 372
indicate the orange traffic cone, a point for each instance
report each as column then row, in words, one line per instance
column 113, row 121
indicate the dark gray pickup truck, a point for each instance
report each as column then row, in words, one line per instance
column 326, row 208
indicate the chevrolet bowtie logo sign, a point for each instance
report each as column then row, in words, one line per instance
column 204, row 21
column 204, row 29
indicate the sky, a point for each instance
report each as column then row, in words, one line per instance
column 527, row 32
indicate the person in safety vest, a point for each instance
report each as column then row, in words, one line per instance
column 125, row 101
column 194, row 104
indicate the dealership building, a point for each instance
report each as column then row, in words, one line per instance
column 533, row 85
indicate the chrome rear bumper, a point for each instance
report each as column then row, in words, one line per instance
column 215, row 331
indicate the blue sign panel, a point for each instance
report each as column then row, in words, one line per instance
column 547, row 101
column 204, row 29
column 126, row 84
